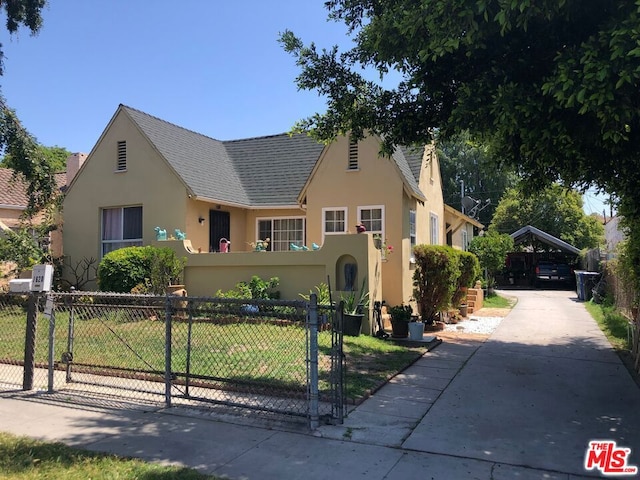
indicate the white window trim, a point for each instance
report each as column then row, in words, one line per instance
column 324, row 220
column 434, row 233
column 122, row 240
column 382, row 218
column 299, row 217
column 465, row 239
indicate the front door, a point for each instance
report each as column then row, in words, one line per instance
column 219, row 228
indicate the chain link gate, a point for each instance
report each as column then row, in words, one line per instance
column 251, row 354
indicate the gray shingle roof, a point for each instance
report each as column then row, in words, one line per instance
column 409, row 161
column 253, row 172
column 263, row 171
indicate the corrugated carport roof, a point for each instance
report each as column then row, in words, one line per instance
column 529, row 232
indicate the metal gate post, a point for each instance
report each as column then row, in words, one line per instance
column 167, row 353
column 314, row 418
column 50, row 313
column 30, row 342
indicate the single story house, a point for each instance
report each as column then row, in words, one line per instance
column 225, row 196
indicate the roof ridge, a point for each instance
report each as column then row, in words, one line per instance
column 169, row 123
column 260, row 137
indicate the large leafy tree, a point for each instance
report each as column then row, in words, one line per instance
column 29, row 161
column 466, row 164
column 551, row 85
column 55, row 156
column 555, row 210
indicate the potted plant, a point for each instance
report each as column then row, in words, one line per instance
column 354, row 305
column 400, row 318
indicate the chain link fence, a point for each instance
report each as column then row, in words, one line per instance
column 266, row 355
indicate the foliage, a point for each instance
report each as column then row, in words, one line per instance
column 463, row 161
column 612, row 323
column 27, row 458
column 493, row 300
column 121, row 270
column 322, row 293
column 555, row 210
column 469, row 273
column 491, row 250
column 434, row 279
column 356, row 302
column 256, row 288
column 166, row 269
column 55, row 156
column 152, row 267
column 551, row 87
column 401, row 313
column 28, row 161
column 22, row 248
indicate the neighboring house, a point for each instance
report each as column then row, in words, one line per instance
column 144, row 173
column 14, row 201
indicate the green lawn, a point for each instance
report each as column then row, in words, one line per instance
column 494, row 300
column 613, row 324
column 260, row 352
column 26, row 459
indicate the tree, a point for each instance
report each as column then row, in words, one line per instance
column 555, row 210
column 55, row 156
column 551, row 86
column 491, row 250
column 28, row 159
column 464, row 162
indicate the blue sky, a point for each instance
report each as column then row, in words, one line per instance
column 211, row 66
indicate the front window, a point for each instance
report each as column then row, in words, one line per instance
column 282, row 232
column 433, row 224
column 121, row 227
column 465, row 240
column 372, row 218
column 334, row 220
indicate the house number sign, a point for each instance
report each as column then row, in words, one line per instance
column 41, row 278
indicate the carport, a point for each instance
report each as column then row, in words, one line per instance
column 538, row 245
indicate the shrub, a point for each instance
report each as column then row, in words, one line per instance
column 469, row 272
column 491, row 249
column 147, row 269
column 256, row 288
column 434, row 279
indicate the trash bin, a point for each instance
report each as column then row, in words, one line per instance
column 585, row 282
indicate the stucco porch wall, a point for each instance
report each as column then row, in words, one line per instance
column 299, row 271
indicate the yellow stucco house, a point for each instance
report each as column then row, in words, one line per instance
column 145, row 172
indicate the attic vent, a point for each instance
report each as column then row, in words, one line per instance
column 353, row 154
column 122, row 155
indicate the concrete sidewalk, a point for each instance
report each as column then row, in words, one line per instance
column 521, row 405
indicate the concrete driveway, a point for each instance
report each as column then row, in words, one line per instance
column 545, row 384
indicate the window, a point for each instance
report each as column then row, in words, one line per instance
column 465, row 240
column 372, row 218
column 122, row 156
column 353, row 154
column 412, row 228
column 282, row 232
column 121, row 227
column 433, row 225
column 334, row 220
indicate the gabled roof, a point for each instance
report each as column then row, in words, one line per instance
column 527, row 233
column 266, row 171
column 254, row 172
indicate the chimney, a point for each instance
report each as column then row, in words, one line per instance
column 74, row 162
